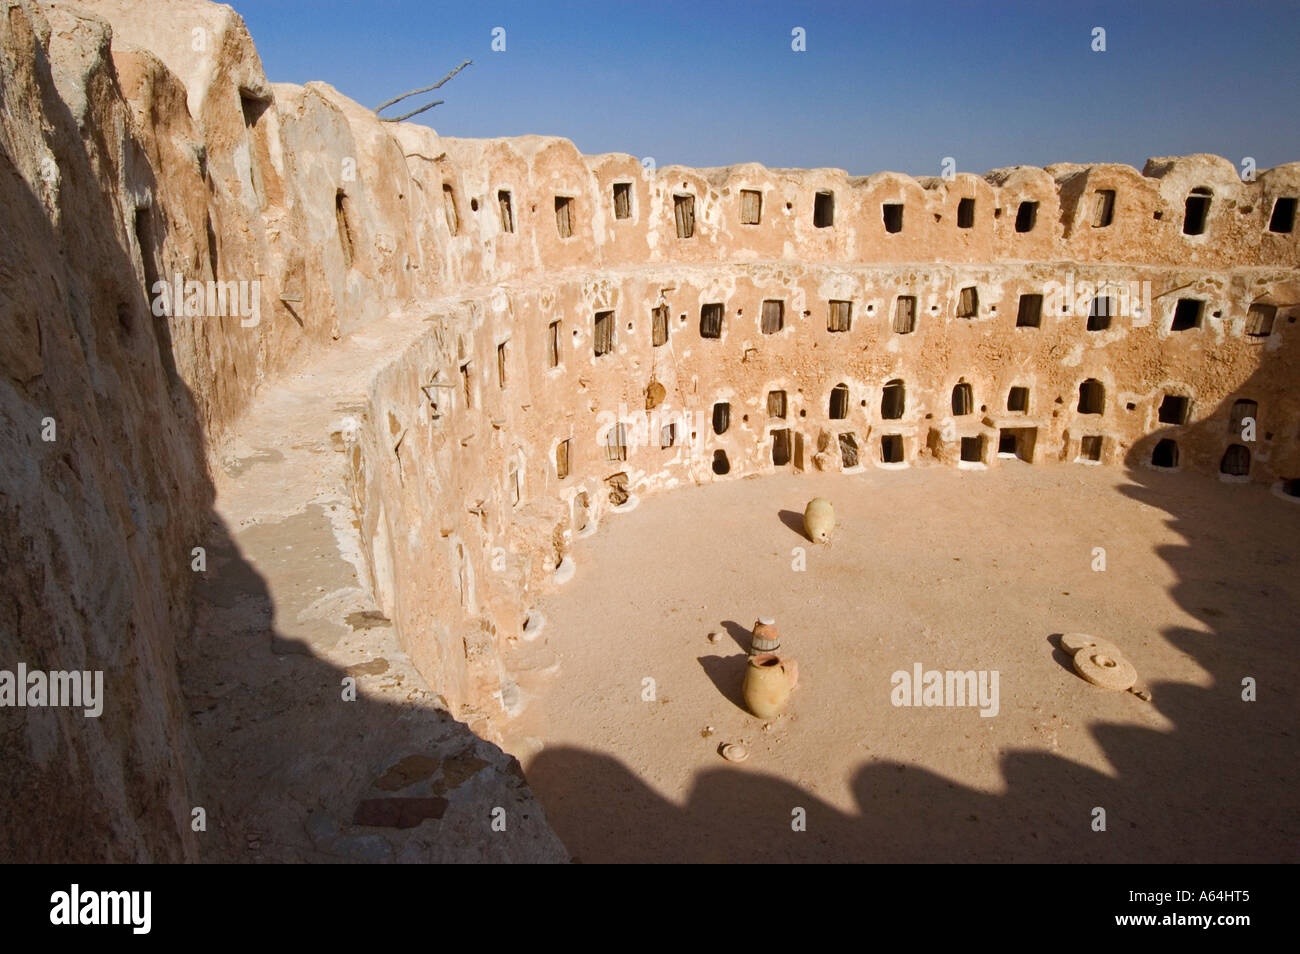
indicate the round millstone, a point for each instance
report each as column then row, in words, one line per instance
column 1107, row 670
column 1073, row 642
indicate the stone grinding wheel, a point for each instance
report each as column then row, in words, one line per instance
column 1073, row 642
column 1105, row 670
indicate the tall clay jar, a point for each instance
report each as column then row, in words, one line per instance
column 768, row 682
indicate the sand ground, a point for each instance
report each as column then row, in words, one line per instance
column 953, row 570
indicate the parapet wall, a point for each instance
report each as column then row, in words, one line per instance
column 587, row 317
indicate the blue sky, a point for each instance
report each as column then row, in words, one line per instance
column 893, row 86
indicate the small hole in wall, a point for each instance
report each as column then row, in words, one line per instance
column 1158, row 216
column 1130, row 406
column 803, row 413
column 789, row 205
column 744, row 418
column 473, row 205
column 124, row 320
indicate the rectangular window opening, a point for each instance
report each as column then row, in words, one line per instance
column 1174, row 409
column 684, row 214
column 848, row 450
column 501, row 364
column 773, row 316
column 564, row 216
column 622, row 200
column 893, row 400
column 562, row 459
column 840, row 317
column 721, row 417
column 449, row 209
column 891, row 448
column 1104, row 212
column 1099, row 312
column 963, row 399
column 1026, row 216
column 966, row 214
column 968, row 303
column 781, row 446
column 905, row 315
column 1090, row 447
column 824, row 210
column 604, row 333
column 839, row 403
column 553, row 345
column 1018, row 400
column 1282, row 220
column 464, row 379
column 1165, row 453
column 668, row 435
column 892, row 212
column 711, row 320
column 972, row 449
column 616, row 443
column 1196, row 212
column 751, row 206
column 1242, row 409
column 659, row 326
column 1259, row 320
column 1187, row 314
column 776, row 404
column 1029, row 313
column 507, row 211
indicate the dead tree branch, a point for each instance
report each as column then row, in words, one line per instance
column 414, row 92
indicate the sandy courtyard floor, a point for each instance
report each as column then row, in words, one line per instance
column 953, row 570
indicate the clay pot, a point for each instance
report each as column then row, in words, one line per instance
column 765, row 639
column 819, row 520
column 769, row 679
